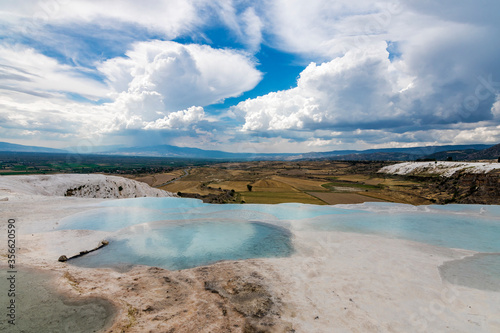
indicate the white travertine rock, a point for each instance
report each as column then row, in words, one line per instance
column 445, row 169
column 79, row 185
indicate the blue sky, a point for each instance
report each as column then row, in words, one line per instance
column 250, row 76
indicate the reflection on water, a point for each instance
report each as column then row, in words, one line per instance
column 39, row 308
column 181, row 245
column 480, row 271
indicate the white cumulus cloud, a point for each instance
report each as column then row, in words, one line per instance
column 178, row 120
column 158, row 78
column 358, row 88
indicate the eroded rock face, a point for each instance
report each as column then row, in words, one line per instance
column 464, row 188
column 80, row 185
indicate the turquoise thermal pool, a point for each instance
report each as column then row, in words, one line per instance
column 177, row 233
column 181, row 245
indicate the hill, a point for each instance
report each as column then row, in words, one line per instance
column 454, row 155
column 187, row 152
column 486, row 154
column 11, row 147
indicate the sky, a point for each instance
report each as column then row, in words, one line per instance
column 250, row 76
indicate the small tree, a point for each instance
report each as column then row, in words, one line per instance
column 249, row 187
column 499, row 160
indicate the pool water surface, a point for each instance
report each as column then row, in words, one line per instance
column 179, row 233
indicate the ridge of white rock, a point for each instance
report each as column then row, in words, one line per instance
column 445, row 169
column 79, row 185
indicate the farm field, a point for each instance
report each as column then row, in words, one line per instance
column 311, row 182
column 161, row 178
column 279, row 197
column 343, row 198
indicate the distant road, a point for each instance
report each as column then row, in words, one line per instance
column 186, row 173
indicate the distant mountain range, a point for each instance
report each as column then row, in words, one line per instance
column 396, row 154
column 455, row 152
column 391, row 154
column 186, row 152
column 11, row 147
column 489, row 153
column 455, row 155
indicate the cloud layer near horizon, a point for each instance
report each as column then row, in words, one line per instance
column 376, row 73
